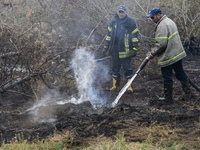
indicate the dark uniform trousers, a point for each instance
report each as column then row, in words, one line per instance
column 178, row 69
column 118, row 62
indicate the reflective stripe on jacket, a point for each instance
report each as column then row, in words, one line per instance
column 128, row 40
column 168, row 47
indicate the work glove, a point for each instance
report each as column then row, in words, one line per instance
column 104, row 52
column 150, row 55
column 133, row 54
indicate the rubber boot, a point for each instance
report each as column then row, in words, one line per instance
column 129, row 89
column 116, row 82
column 167, row 99
column 186, row 88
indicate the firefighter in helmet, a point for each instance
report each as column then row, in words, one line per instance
column 121, row 43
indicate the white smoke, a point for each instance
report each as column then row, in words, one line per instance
column 88, row 74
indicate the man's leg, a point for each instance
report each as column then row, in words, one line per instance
column 183, row 78
column 128, row 71
column 116, row 66
column 168, row 86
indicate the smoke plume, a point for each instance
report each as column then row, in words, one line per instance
column 89, row 75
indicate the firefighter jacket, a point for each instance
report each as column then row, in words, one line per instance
column 168, row 47
column 127, row 41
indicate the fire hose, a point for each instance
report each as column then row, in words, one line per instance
column 143, row 64
column 194, row 86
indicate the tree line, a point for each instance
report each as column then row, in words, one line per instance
column 38, row 37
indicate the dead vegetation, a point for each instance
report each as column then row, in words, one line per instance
column 40, row 37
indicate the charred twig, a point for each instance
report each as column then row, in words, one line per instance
column 50, row 59
column 14, row 44
column 18, row 55
column 9, row 54
column 44, row 81
column 5, row 83
column 73, row 47
column 7, row 4
column 101, row 43
column 34, row 91
column 12, row 91
column 102, row 59
column 10, row 85
column 35, row 25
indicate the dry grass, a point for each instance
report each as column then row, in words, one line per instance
column 66, row 140
column 136, row 136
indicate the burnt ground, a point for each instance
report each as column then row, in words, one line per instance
column 134, row 116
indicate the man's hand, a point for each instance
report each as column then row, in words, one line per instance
column 133, row 54
column 104, row 52
column 150, row 55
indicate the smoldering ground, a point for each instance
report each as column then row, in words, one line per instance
column 89, row 75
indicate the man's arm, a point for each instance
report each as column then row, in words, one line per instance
column 107, row 41
column 134, row 40
column 161, row 38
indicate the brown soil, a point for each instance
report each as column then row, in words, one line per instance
column 134, row 115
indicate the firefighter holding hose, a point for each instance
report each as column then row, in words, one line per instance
column 121, row 43
column 170, row 52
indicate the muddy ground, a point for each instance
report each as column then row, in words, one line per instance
column 134, row 116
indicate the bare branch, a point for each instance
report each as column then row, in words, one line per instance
column 10, row 84
column 141, row 7
column 9, row 55
column 95, row 28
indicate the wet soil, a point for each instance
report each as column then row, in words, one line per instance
column 134, row 115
